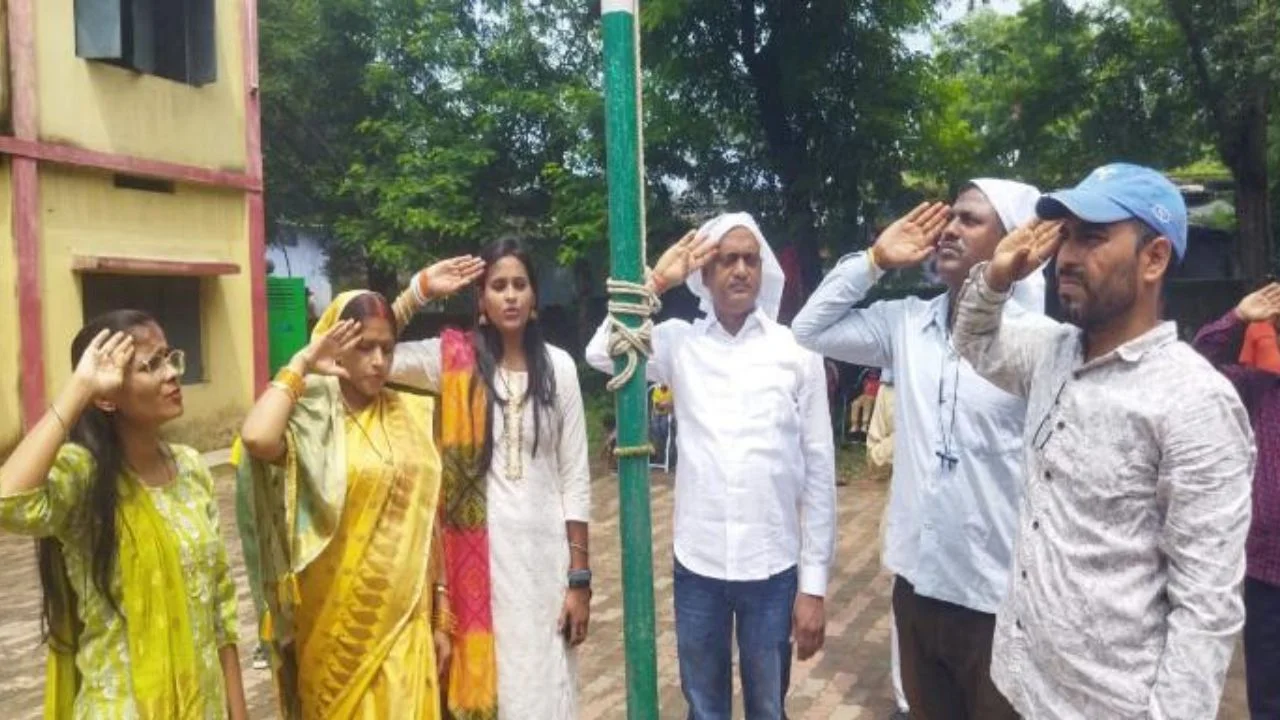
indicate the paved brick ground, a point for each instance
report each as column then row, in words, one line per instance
column 847, row 681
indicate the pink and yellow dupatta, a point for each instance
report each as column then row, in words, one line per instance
column 473, row 673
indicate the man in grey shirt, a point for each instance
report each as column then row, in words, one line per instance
column 1124, row 601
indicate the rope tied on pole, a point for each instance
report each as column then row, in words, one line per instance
column 629, row 342
column 626, row 341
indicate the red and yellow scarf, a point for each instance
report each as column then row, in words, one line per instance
column 473, row 672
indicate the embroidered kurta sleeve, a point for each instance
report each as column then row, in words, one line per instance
column 417, row 364
column 818, row 499
column 1005, row 353
column 1206, row 471
column 571, row 451
column 46, row 511
column 226, row 620
column 830, row 326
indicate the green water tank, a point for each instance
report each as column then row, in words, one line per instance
column 286, row 319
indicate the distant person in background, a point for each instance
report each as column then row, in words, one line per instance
column 880, row 431
column 662, row 423
column 861, row 408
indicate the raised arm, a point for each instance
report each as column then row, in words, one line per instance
column 417, row 363
column 1006, row 356
column 686, row 256
column 263, row 431
column 1220, row 341
column 828, row 324
column 99, row 373
column 1206, row 472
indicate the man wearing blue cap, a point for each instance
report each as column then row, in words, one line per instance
column 1125, row 594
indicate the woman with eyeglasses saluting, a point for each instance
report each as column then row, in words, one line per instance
column 139, row 606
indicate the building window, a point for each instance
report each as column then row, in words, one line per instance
column 173, row 300
column 173, row 39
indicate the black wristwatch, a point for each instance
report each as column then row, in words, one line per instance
column 580, row 579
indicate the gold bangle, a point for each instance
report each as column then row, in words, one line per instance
column 285, row 389
column 444, row 620
column 292, row 380
column 871, row 259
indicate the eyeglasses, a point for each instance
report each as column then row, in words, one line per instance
column 174, row 359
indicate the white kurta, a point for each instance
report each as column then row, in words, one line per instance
column 528, row 547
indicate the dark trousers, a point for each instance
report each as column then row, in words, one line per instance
column 706, row 612
column 946, row 659
column 1262, row 648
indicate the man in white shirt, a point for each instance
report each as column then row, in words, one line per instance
column 755, row 488
column 957, row 476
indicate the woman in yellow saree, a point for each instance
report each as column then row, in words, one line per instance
column 337, row 506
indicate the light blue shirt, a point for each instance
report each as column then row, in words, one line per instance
column 957, row 473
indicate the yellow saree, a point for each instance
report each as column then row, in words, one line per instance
column 342, row 546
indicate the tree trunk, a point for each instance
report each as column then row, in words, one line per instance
column 1253, row 201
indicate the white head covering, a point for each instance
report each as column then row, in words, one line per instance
column 1015, row 203
column 771, row 276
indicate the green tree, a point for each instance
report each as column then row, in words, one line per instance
column 1050, row 92
column 796, row 111
column 1231, row 48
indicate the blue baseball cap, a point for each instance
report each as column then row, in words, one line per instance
column 1122, row 191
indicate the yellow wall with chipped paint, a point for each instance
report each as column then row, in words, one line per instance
column 83, row 213
column 98, row 106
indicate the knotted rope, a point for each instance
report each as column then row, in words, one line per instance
column 630, row 342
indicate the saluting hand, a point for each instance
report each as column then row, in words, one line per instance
column 1022, row 251
column 321, row 356
column 449, row 276
column 912, row 238
column 681, row 260
column 1261, row 306
column 102, row 366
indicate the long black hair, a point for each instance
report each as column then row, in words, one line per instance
column 489, row 349
column 96, row 432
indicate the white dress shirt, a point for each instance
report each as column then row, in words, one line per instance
column 957, row 467
column 755, row 486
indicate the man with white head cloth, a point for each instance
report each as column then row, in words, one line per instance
column 755, row 488
column 957, row 471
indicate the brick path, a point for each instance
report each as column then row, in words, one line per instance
column 849, row 680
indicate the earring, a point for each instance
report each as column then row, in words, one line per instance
column 484, row 319
column 533, row 314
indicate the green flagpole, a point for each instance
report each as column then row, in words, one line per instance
column 626, row 203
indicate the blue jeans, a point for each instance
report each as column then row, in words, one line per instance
column 706, row 611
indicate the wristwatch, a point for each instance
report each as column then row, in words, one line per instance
column 580, row 579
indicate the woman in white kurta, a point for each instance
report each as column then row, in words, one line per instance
column 537, row 483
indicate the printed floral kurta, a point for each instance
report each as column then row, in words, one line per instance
column 59, row 509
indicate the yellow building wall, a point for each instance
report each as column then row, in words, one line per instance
column 102, row 107
column 83, row 213
column 10, row 348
